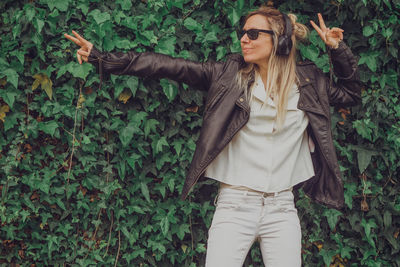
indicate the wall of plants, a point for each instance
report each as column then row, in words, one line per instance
column 92, row 177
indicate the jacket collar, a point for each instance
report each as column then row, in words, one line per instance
column 302, row 73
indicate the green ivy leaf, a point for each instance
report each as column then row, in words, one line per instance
column 364, row 128
column 175, row 3
column 169, row 89
column 183, row 228
column 84, row 7
column 9, row 96
column 327, row 255
column 126, row 134
column 364, row 158
column 310, row 52
column 332, row 216
column 368, row 225
column 145, row 191
column 30, row 12
column 125, row 4
column 221, row 52
column 160, row 143
column 12, row 77
column 61, row 5
column 171, row 184
column 131, row 238
column 48, row 127
column 20, row 55
column 39, row 25
column 44, row 186
column 150, row 126
column 11, row 121
column 368, row 31
column 389, row 78
column 370, row 59
column 178, row 145
column 164, row 225
column 133, row 159
column 233, row 15
column 79, row 70
column 99, row 16
column 193, row 25
column 349, row 192
column 211, row 37
column 387, row 219
column 166, row 45
column 132, row 83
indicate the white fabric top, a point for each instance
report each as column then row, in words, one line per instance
column 261, row 158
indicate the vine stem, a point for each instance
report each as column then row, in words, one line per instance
column 119, row 247
column 73, row 134
column 78, row 106
column 109, row 233
column 364, row 204
column 94, row 234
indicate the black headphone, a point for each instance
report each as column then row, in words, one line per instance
column 285, row 41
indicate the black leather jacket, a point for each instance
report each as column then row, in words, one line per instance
column 227, row 111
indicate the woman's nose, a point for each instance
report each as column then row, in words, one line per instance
column 245, row 38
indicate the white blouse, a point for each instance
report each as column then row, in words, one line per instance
column 261, row 158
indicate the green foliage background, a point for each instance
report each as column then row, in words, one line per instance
column 86, row 179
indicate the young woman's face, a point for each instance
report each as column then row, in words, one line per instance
column 257, row 51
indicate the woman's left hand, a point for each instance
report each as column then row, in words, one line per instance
column 331, row 37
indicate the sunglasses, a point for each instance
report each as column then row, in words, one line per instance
column 253, row 33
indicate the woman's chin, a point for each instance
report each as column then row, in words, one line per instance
column 248, row 58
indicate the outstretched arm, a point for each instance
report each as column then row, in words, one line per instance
column 147, row 64
column 347, row 90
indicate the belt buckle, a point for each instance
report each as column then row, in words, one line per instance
column 265, row 194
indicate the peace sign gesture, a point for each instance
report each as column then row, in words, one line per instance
column 331, row 37
column 86, row 46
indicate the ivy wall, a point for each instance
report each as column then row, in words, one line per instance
column 92, row 177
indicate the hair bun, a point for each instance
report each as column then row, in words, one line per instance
column 300, row 31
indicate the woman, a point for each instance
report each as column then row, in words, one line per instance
column 266, row 129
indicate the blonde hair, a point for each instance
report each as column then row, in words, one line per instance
column 281, row 70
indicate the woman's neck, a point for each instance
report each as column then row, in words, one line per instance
column 263, row 73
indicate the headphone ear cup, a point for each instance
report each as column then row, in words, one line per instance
column 284, row 45
column 284, row 41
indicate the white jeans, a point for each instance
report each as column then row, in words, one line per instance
column 241, row 217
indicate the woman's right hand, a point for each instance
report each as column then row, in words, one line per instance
column 86, row 46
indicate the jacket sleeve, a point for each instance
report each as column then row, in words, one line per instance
column 153, row 65
column 347, row 90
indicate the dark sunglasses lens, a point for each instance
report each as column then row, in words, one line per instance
column 252, row 34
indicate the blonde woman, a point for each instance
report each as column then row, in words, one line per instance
column 266, row 130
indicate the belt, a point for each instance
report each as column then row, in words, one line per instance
column 264, row 194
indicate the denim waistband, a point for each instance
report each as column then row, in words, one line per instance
column 249, row 190
column 239, row 191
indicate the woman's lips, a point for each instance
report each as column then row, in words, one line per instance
column 246, row 50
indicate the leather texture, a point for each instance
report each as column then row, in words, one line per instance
column 227, row 111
